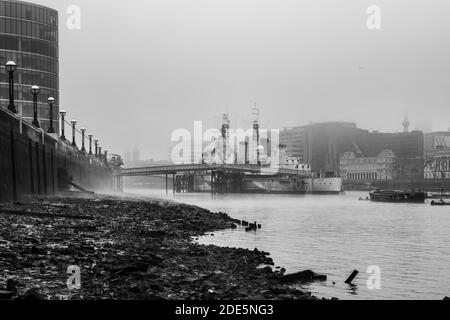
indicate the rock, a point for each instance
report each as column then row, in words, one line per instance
column 303, row 276
column 31, row 294
column 11, row 286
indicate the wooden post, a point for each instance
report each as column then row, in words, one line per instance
column 352, row 277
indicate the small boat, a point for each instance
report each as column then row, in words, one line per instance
column 397, row 196
column 440, row 203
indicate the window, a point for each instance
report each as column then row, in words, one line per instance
column 41, row 15
column 14, row 26
column 8, row 26
column 2, row 25
column 14, row 10
column 7, row 9
column 34, row 30
column 28, row 13
column 29, row 30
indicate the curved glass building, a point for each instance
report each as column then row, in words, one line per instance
column 29, row 37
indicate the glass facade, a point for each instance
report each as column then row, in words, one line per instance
column 29, row 37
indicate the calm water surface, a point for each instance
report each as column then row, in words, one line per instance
column 334, row 235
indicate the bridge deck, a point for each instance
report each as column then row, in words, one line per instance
column 231, row 168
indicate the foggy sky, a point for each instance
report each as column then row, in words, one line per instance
column 139, row 69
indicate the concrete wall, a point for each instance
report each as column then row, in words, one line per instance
column 32, row 162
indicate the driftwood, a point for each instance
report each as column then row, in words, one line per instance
column 303, row 276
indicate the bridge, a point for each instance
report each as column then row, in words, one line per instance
column 224, row 177
column 230, row 168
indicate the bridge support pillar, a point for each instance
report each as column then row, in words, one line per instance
column 174, row 183
column 167, row 185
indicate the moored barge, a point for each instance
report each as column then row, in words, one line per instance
column 397, row 196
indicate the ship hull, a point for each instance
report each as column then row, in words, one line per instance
column 325, row 186
column 397, row 196
column 274, row 185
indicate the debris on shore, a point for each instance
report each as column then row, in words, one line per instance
column 127, row 249
column 302, row 276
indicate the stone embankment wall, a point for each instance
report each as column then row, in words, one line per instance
column 32, row 162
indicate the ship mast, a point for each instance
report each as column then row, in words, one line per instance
column 255, row 113
column 225, row 134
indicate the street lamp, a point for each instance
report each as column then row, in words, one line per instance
column 11, row 67
column 51, row 102
column 35, row 91
column 96, row 147
column 90, row 143
column 83, row 132
column 63, row 123
column 74, row 123
column 100, row 153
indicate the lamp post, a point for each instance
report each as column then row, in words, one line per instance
column 35, row 91
column 83, row 132
column 90, row 143
column 96, row 147
column 63, row 123
column 51, row 102
column 74, row 123
column 11, row 67
column 100, row 153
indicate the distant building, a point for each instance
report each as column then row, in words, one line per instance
column 437, row 164
column 322, row 146
column 295, row 141
column 136, row 156
column 29, row 37
column 319, row 145
column 368, row 169
column 127, row 157
column 437, row 155
column 406, row 125
column 437, row 141
column 424, row 126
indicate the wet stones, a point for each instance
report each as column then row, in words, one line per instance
column 129, row 250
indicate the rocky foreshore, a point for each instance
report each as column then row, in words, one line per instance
column 127, row 249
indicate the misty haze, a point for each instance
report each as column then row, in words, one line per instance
column 199, row 152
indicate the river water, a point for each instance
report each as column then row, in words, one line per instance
column 336, row 234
